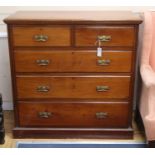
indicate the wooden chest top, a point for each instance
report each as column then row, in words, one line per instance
column 68, row 17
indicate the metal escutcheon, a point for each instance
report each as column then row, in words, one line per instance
column 101, row 115
column 43, row 89
column 41, row 38
column 45, row 114
column 103, row 62
column 43, row 62
column 102, row 88
column 104, row 38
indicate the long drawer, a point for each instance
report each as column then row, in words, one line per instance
column 72, row 61
column 41, row 36
column 110, row 36
column 93, row 87
column 73, row 114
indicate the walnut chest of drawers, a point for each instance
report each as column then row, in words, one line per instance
column 62, row 88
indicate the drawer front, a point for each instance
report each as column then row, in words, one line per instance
column 70, row 61
column 93, row 87
column 110, row 36
column 73, row 114
column 41, row 36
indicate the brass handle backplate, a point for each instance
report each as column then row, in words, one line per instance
column 41, row 38
column 104, row 38
column 45, row 114
column 43, row 89
column 43, row 62
column 103, row 62
column 102, row 88
column 101, row 115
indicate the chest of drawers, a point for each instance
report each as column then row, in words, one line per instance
column 61, row 87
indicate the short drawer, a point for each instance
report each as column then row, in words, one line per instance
column 41, row 36
column 109, row 36
column 73, row 114
column 72, row 61
column 69, row 86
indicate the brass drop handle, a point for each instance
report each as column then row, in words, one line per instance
column 101, row 115
column 43, row 62
column 40, row 38
column 45, row 114
column 102, row 88
column 103, row 38
column 43, row 89
column 103, row 62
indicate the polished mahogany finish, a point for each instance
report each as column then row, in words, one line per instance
column 74, row 17
column 41, row 36
column 86, row 36
column 63, row 87
column 73, row 87
column 44, row 61
column 59, row 114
